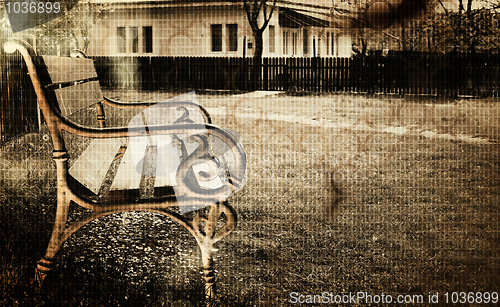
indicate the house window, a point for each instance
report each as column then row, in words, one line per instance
column 306, row 41
column 232, row 34
column 335, row 45
column 327, row 43
column 272, row 38
column 344, row 46
column 134, row 35
column 216, row 37
column 147, row 39
column 294, row 43
column 330, row 44
column 285, row 41
column 121, row 42
column 129, row 40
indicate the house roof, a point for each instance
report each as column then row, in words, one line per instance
column 292, row 13
column 318, row 14
column 311, row 3
column 142, row 4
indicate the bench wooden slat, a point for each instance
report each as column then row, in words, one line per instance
column 77, row 97
column 167, row 163
column 92, row 166
column 127, row 176
column 69, row 69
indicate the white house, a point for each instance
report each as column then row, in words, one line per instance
column 216, row 28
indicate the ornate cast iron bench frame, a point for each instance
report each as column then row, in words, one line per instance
column 207, row 228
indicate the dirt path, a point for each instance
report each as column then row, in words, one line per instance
column 329, row 123
column 356, row 127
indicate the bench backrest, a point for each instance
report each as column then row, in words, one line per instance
column 74, row 81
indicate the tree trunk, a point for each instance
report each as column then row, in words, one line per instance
column 259, row 45
column 257, row 60
column 470, row 20
column 460, row 6
column 403, row 36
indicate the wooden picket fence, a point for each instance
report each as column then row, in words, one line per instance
column 154, row 73
column 401, row 73
column 18, row 104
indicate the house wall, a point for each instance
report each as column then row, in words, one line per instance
column 187, row 32
column 176, row 31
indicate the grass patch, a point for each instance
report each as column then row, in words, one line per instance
column 324, row 210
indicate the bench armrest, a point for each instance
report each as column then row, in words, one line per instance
column 179, row 104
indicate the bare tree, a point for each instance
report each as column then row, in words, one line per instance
column 73, row 27
column 376, row 22
column 69, row 30
column 255, row 9
column 467, row 29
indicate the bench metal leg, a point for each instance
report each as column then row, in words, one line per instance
column 207, row 229
column 207, row 232
column 208, row 270
column 57, row 238
column 43, row 267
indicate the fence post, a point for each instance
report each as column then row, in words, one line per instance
column 285, row 74
column 316, row 81
column 324, row 74
column 342, row 74
column 265, row 81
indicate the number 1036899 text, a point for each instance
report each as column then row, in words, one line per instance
column 471, row 297
column 32, row 7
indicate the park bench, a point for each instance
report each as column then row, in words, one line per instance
column 169, row 159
